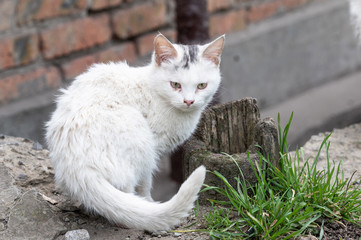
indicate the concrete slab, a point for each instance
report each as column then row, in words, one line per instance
column 345, row 146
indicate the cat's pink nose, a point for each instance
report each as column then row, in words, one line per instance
column 188, row 102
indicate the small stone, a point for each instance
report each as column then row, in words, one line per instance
column 73, row 225
column 80, row 234
column 20, row 163
column 159, row 234
column 37, row 146
column 13, row 144
column 309, row 237
column 177, row 234
column 99, row 226
column 197, row 238
column 81, row 221
column 2, row 226
column 250, row 231
column 22, row 176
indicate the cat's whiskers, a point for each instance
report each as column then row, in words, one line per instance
column 167, row 104
column 170, row 109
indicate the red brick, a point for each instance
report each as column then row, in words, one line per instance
column 29, row 10
column 7, row 9
column 145, row 43
column 290, row 4
column 101, row 4
column 28, row 84
column 243, row 1
column 215, row 5
column 262, row 11
column 226, row 22
column 124, row 51
column 265, row 10
column 139, row 18
column 18, row 50
column 74, row 67
column 74, row 36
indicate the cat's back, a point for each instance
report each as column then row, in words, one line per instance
column 109, row 78
column 106, row 84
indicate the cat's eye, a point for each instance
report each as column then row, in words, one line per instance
column 202, row 86
column 176, row 85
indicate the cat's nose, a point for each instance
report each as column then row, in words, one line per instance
column 188, row 102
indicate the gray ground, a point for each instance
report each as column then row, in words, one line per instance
column 345, row 146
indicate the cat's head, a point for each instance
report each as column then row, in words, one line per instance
column 186, row 76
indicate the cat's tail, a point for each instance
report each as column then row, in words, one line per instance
column 135, row 212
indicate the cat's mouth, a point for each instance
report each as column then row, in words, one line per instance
column 188, row 108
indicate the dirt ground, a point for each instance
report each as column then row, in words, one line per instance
column 30, row 166
column 343, row 230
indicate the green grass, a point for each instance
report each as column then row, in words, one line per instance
column 286, row 202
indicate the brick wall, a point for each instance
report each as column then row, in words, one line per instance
column 46, row 42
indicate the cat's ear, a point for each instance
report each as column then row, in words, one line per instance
column 163, row 50
column 214, row 49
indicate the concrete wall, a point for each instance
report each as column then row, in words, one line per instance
column 26, row 118
column 306, row 62
column 286, row 56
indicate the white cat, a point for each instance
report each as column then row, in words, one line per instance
column 114, row 122
column 355, row 11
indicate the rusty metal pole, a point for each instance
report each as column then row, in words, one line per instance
column 193, row 28
column 192, row 21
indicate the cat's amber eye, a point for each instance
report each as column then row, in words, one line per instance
column 202, row 86
column 176, row 85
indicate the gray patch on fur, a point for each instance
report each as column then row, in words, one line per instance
column 190, row 55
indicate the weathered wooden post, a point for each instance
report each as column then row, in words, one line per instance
column 234, row 128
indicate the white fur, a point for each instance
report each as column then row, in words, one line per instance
column 355, row 11
column 111, row 126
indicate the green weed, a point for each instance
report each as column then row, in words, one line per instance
column 288, row 201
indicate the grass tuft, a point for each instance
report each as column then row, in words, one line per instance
column 287, row 202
